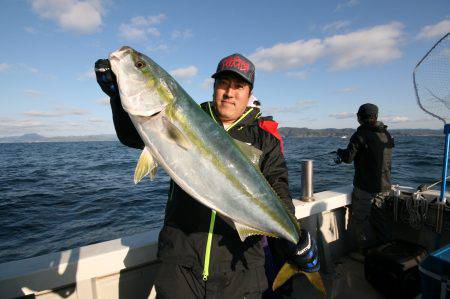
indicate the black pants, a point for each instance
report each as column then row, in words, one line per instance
column 175, row 281
column 370, row 221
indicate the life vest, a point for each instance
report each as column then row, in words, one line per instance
column 271, row 126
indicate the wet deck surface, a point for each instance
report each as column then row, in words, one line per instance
column 347, row 281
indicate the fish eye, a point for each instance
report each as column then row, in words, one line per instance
column 139, row 64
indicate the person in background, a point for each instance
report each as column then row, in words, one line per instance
column 370, row 148
column 191, row 237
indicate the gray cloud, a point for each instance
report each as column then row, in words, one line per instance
column 182, row 34
column 58, row 112
column 347, row 89
column 335, row 26
column 435, row 30
column 32, row 93
column 346, row 4
column 4, row 67
column 342, row 115
column 297, row 107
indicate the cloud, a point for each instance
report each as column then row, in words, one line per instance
column 335, row 26
column 394, row 119
column 80, row 16
column 159, row 47
column 34, row 71
column 347, row 4
column 297, row 107
column 342, row 115
column 103, row 101
column 30, row 30
column 139, row 28
column 28, row 68
column 375, row 45
column 50, row 127
column 96, row 120
column 288, row 55
column 9, row 126
column 347, row 89
column 58, row 112
column 4, row 67
column 185, row 73
column 32, row 93
column 207, row 84
column 89, row 74
column 436, row 30
column 299, row 75
column 182, row 34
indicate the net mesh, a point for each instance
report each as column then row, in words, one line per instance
column 432, row 80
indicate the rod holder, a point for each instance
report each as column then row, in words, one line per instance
column 307, row 181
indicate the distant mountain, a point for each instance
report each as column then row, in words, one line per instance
column 39, row 138
column 331, row 132
column 285, row 132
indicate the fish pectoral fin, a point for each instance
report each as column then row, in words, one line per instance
column 251, row 152
column 175, row 134
column 145, row 166
column 246, row 231
column 288, row 270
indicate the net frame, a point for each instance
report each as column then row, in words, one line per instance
column 443, row 119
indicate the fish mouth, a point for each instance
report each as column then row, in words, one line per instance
column 120, row 54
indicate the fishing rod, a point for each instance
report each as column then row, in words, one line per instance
column 325, row 154
column 424, row 187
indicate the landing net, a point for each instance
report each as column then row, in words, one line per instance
column 431, row 78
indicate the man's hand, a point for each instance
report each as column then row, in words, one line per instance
column 105, row 77
column 304, row 255
column 338, row 159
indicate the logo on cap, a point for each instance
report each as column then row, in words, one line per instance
column 238, row 64
column 235, row 62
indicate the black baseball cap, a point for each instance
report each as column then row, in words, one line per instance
column 368, row 110
column 238, row 64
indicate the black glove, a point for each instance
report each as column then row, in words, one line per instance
column 106, row 78
column 304, row 255
column 338, row 159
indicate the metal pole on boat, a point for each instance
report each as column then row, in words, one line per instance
column 445, row 164
column 307, row 181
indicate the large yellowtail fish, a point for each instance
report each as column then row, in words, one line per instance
column 195, row 151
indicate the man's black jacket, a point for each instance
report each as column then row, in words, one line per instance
column 371, row 149
column 182, row 240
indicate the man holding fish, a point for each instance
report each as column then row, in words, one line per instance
column 212, row 175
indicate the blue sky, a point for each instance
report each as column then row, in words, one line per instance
column 316, row 61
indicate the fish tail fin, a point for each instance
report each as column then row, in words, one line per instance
column 288, row 270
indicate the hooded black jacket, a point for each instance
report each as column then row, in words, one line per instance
column 182, row 240
column 370, row 148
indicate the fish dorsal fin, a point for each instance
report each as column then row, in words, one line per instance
column 252, row 153
column 175, row 134
column 245, row 231
column 145, row 166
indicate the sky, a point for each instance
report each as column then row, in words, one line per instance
column 316, row 61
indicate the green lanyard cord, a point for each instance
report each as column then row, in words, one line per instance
column 208, row 246
column 213, row 213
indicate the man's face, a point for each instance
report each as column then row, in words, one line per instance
column 231, row 95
